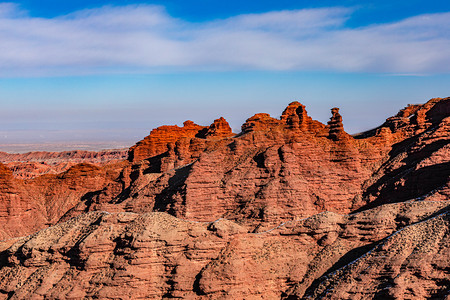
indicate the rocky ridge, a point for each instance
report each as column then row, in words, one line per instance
column 268, row 173
column 32, row 164
column 195, row 212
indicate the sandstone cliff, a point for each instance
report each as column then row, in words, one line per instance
column 289, row 208
column 269, row 172
column 30, row 205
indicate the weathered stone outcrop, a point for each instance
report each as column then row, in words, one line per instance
column 409, row 264
column 18, row 215
column 270, row 172
column 28, row 206
column 155, row 255
column 179, row 143
column 219, row 129
column 260, row 122
column 296, row 117
column 336, row 128
column 417, row 165
column 160, row 139
column 289, row 208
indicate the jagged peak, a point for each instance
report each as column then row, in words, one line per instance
column 415, row 118
column 219, row 128
column 291, row 109
column 336, row 128
column 260, row 121
column 189, row 123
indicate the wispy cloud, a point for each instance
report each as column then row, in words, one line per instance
column 144, row 38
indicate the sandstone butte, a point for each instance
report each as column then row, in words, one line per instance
column 288, row 208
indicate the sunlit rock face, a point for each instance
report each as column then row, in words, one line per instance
column 288, row 208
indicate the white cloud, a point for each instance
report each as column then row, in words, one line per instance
column 144, row 38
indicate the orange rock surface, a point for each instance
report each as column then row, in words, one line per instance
column 162, row 139
column 289, row 208
column 278, row 169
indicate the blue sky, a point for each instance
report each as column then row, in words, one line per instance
column 113, row 70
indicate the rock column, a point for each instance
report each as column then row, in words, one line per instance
column 336, row 129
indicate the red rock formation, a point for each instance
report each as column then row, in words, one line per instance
column 420, row 165
column 32, row 164
column 160, row 138
column 154, row 255
column 336, row 128
column 333, row 195
column 168, row 147
column 18, row 216
column 28, row 206
column 65, row 156
column 296, row 117
column 30, row 170
column 293, row 117
column 260, row 122
column 219, row 129
column 269, row 173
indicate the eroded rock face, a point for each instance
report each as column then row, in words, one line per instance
column 269, row 173
column 219, row 129
column 32, row 164
column 336, row 128
column 160, row 140
column 28, row 206
column 14, row 208
column 289, row 208
column 155, row 255
column 296, row 117
column 410, row 264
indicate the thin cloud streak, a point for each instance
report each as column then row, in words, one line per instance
column 144, row 38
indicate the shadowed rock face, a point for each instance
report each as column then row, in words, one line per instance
column 30, row 205
column 195, row 212
column 336, row 129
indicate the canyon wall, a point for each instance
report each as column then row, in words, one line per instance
column 289, row 208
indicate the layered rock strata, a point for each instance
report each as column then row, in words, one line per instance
column 393, row 250
column 30, row 205
column 269, row 173
column 32, row 164
column 289, row 208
